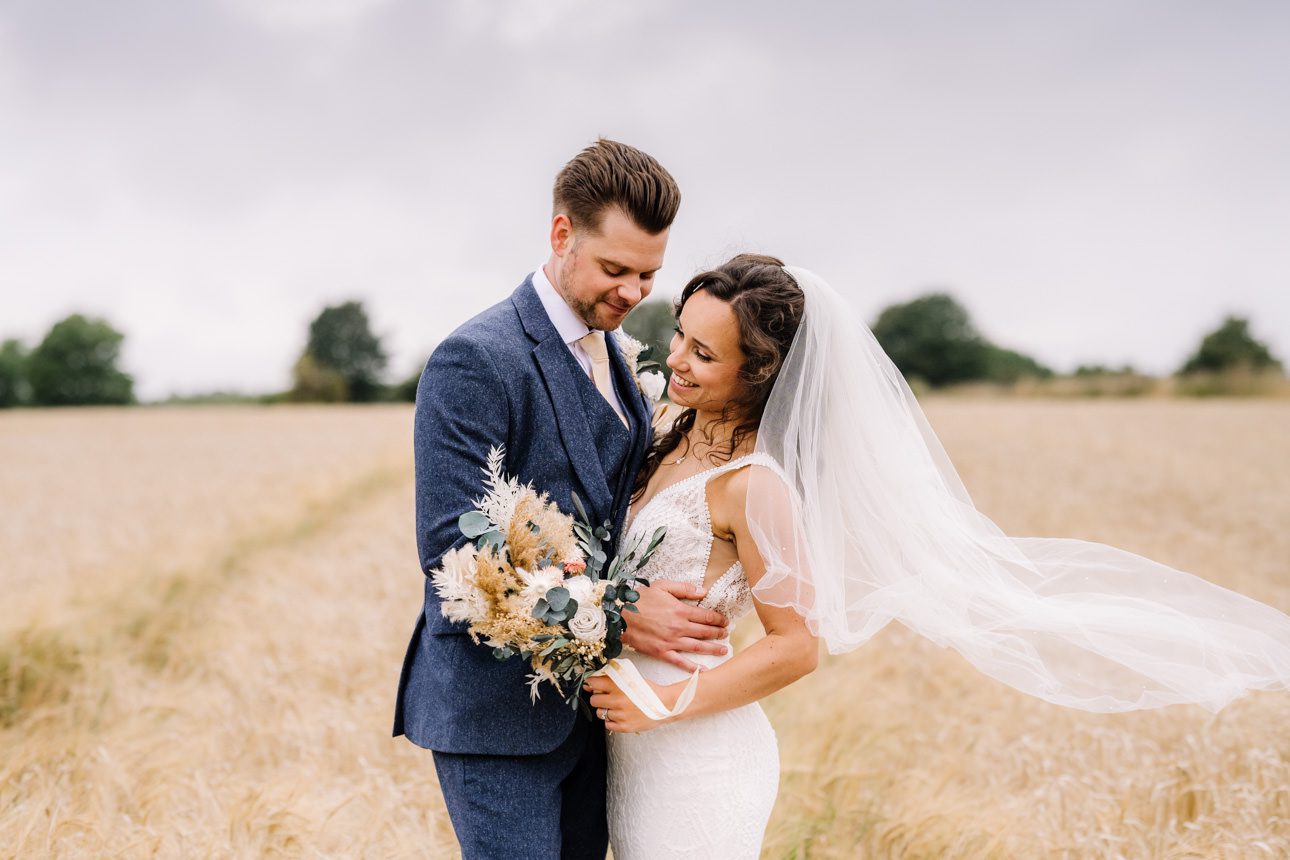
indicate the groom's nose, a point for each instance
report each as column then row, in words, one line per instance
column 631, row 293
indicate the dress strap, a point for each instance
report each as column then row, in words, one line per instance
column 756, row 458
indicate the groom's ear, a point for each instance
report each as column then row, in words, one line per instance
column 561, row 234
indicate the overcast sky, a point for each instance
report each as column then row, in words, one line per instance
column 1096, row 181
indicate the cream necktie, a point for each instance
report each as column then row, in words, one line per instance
column 594, row 345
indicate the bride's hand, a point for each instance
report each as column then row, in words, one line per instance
column 620, row 715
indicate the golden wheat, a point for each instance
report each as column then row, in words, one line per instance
column 210, row 607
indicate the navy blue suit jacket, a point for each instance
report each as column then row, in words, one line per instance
column 505, row 377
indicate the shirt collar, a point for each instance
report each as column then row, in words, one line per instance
column 566, row 322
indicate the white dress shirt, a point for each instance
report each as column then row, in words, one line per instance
column 566, row 322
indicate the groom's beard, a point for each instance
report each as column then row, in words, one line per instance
column 597, row 313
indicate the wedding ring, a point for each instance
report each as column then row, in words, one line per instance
column 604, row 713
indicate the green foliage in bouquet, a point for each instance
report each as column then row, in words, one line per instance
column 538, row 584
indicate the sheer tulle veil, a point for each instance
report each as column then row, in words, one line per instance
column 866, row 522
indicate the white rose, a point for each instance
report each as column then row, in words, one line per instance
column 581, row 589
column 537, row 584
column 588, row 623
column 652, row 383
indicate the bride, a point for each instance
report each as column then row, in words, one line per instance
column 801, row 480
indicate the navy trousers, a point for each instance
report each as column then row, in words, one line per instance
column 543, row 807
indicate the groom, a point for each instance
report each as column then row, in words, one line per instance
column 538, row 374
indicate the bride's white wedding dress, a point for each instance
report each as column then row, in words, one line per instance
column 702, row 787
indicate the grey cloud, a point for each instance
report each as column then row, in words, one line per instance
column 1067, row 169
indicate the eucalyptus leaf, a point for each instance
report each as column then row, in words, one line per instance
column 558, row 597
column 473, row 524
column 577, row 506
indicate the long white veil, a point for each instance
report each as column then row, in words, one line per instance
column 869, row 523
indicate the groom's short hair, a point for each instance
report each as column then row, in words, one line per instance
column 609, row 173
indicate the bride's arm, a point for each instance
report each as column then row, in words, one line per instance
column 787, row 651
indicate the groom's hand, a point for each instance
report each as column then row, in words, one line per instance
column 669, row 629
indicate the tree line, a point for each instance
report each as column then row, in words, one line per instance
column 934, row 342
column 931, row 339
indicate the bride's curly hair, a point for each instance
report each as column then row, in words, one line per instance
column 768, row 306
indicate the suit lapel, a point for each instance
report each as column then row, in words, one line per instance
column 557, row 367
column 633, row 399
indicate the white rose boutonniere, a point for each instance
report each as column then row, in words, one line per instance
column 648, row 379
column 652, row 383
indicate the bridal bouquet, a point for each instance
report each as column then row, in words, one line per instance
column 537, row 583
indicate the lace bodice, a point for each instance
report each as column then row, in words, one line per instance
column 685, row 552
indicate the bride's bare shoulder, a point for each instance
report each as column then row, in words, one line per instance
column 728, row 496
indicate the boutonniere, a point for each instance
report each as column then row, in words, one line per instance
column 648, row 378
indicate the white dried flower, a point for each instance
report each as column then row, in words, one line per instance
column 541, row 672
column 459, row 599
column 652, row 384
column 630, row 347
column 537, row 584
column 498, row 504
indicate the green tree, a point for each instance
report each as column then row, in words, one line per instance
column 932, row 337
column 76, row 365
column 653, row 322
column 1007, row 365
column 1228, row 347
column 341, row 341
column 314, row 383
column 14, row 389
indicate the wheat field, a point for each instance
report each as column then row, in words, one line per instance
column 205, row 611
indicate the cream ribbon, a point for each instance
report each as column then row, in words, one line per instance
column 629, row 679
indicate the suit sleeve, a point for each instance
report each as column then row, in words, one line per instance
column 462, row 411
